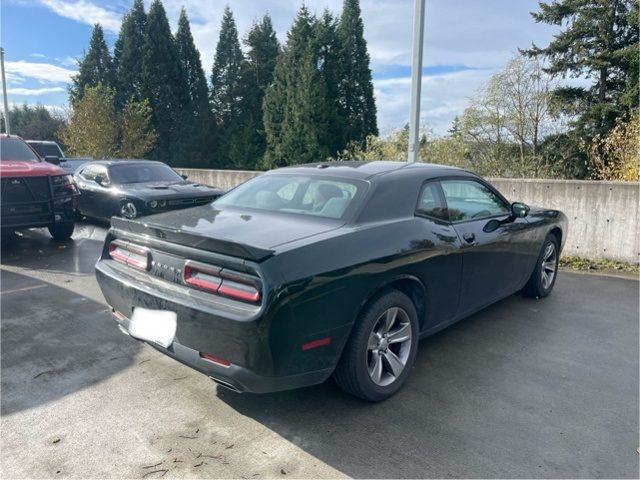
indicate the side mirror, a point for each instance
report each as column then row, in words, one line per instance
column 52, row 159
column 100, row 180
column 519, row 210
column 184, row 176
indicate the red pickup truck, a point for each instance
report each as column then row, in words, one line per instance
column 34, row 193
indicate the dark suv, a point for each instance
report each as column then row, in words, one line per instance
column 34, row 193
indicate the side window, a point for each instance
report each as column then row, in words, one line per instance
column 468, row 199
column 89, row 173
column 102, row 171
column 430, row 202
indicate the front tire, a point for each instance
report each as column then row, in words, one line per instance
column 381, row 349
column 128, row 209
column 544, row 275
column 61, row 231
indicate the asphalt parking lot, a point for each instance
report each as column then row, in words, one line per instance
column 526, row 388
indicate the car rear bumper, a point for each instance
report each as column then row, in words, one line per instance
column 234, row 377
column 236, row 337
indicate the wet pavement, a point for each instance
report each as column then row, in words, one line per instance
column 526, row 388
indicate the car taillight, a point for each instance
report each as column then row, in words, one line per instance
column 221, row 281
column 201, row 276
column 129, row 254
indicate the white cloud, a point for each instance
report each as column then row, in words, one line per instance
column 35, row 91
column 68, row 61
column 85, row 12
column 43, row 72
column 37, row 55
column 443, row 97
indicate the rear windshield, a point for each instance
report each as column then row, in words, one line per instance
column 46, row 149
column 142, row 173
column 306, row 195
column 16, row 150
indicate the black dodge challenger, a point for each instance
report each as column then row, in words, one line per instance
column 133, row 188
column 336, row 268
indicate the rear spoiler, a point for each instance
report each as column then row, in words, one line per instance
column 216, row 245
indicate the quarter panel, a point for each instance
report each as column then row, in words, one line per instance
column 325, row 284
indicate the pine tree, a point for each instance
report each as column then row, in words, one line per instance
column 329, row 61
column 600, row 40
column 263, row 52
column 198, row 116
column 263, row 49
column 296, row 106
column 226, row 85
column 358, row 106
column 96, row 67
column 164, row 85
column 129, row 54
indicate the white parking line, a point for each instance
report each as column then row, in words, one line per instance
column 24, row 289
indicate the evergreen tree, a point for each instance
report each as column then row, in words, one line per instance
column 249, row 140
column 164, row 85
column 34, row 121
column 197, row 113
column 226, row 85
column 358, row 106
column 129, row 54
column 263, row 52
column 96, row 67
column 600, row 40
column 296, row 106
column 329, row 62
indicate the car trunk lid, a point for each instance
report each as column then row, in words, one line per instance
column 249, row 234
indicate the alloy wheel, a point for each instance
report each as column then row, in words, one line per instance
column 549, row 265
column 128, row 210
column 389, row 346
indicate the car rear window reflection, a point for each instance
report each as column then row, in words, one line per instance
column 304, row 195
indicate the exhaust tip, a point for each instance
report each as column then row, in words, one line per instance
column 225, row 384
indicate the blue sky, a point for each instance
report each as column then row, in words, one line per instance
column 466, row 42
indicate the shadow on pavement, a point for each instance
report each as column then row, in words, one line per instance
column 54, row 342
column 35, row 249
column 526, row 388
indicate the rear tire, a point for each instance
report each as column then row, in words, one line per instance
column 61, row 231
column 544, row 275
column 381, row 349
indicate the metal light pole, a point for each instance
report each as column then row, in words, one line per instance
column 4, row 93
column 416, row 80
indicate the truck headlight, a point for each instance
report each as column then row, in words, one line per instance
column 63, row 185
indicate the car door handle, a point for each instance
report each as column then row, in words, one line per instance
column 469, row 237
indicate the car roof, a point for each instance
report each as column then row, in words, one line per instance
column 119, row 161
column 366, row 170
column 45, row 142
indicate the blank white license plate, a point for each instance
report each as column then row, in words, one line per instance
column 157, row 326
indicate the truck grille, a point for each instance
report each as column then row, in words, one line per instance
column 26, row 189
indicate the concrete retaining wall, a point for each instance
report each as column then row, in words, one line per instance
column 224, row 179
column 604, row 217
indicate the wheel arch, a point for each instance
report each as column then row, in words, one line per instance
column 557, row 232
column 410, row 285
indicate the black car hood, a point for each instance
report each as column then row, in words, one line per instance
column 152, row 190
column 229, row 230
